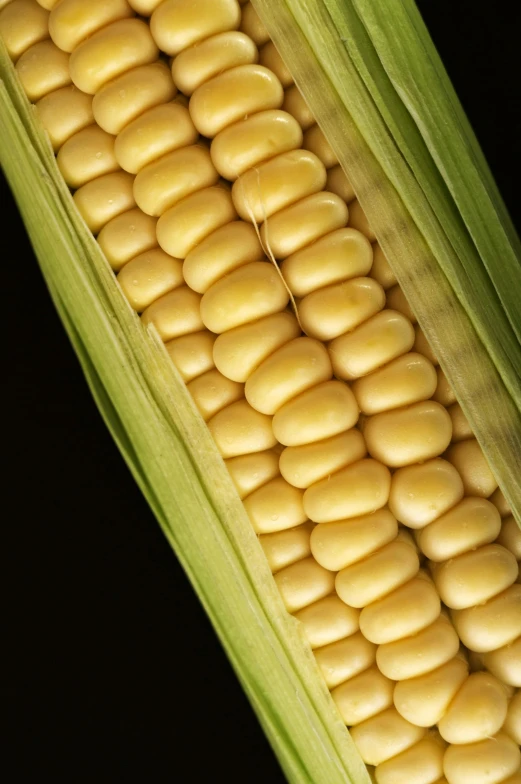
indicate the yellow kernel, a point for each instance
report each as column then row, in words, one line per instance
column 165, row 182
column 23, row 23
column 512, row 724
column 475, row 577
column 492, row 625
column 131, row 94
column 477, row 711
column 316, row 142
column 358, row 220
column 182, row 227
column 303, row 583
column 422, row 493
column 405, row 380
column 148, row 277
column 381, row 270
column 110, row 52
column 321, row 412
column 87, row 155
column 270, row 58
column 248, row 472
column 408, row 435
column 397, row 301
column 384, row 736
column 402, row 613
column 470, row 524
column 406, row 536
column 328, row 620
column 126, row 236
column 72, row 21
column 241, row 350
column 338, row 182
column 363, row 696
column 377, row 575
column 277, row 183
column 500, row 502
column 489, row 761
column 191, row 354
column 212, row 392
column 144, row 7
column 248, row 293
column 510, row 536
column 159, row 131
column 419, row 764
column 64, row 112
column 444, row 393
column 295, row 105
column 302, row 223
column 197, row 64
column 422, row 346
column 294, row 368
column 227, row 248
column 359, row 489
column 505, row 663
column 274, row 507
column 375, row 343
column 249, row 141
column 240, row 430
column 340, row 544
column 284, row 548
column 461, row 428
column 472, row 465
column 425, row 698
column 176, row 25
column 342, row 660
column 338, row 256
column 42, row 69
column 329, row 312
column 252, row 26
column 175, row 313
column 102, row 199
column 304, row 465
column 232, row 95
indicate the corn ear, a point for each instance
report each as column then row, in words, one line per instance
column 151, row 416
column 365, row 69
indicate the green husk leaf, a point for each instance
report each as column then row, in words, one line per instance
column 371, row 76
column 176, row 464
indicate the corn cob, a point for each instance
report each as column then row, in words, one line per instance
column 361, row 393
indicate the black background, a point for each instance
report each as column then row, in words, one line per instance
column 113, row 672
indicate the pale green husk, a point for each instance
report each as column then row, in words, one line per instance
column 375, row 83
column 169, row 450
column 341, row 54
